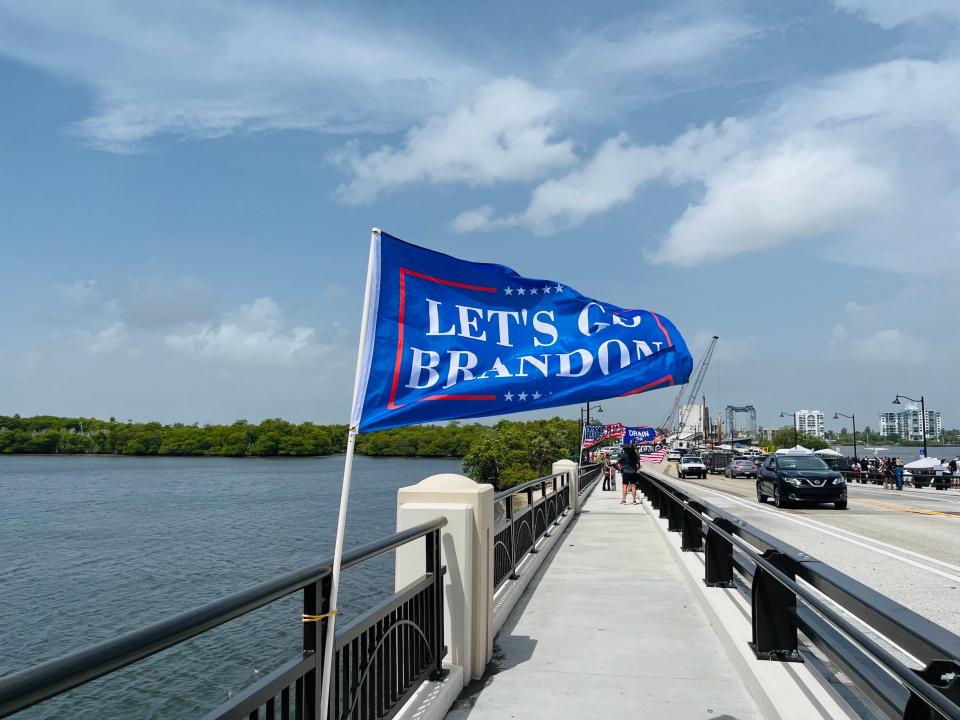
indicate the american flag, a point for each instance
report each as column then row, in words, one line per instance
column 654, row 457
column 593, row 434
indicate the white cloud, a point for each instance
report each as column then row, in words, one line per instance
column 110, row 339
column 255, row 334
column 890, row 13
column 763, row 200
column 613, row 176
column 208, row 68
column 665, row 43
column 882, row 347
column 507, row 133
column 866, row 160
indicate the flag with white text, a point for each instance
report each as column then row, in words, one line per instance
column 449, row 339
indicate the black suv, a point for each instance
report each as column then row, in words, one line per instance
column 797, row 478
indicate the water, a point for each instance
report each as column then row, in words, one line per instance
column 94, row 546
column 905, row 453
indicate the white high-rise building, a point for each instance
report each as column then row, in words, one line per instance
column 809, row 422
column 906, row 424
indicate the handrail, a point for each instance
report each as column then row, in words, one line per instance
column 523, row 486
column 930, row 642
column 41, row 682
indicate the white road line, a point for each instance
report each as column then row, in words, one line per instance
column 915, row 496
column 847, row 535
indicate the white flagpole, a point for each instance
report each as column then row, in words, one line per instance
column 345, row 492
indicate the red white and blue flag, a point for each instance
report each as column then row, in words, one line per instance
column 447, row 339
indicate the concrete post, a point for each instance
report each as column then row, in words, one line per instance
column 570, row 468
column 466, row 547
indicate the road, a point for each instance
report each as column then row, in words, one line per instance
column 904, row 544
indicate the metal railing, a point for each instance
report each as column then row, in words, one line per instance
column 547, row 498
column 381, row 659
column 586, row 474
column 781, row 575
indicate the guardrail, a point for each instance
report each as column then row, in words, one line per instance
column 525, row 525
column 780, row 575
column 587, row 474
column 381, row 659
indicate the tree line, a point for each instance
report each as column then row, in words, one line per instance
column 505, row 454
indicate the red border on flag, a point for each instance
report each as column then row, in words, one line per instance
column 391, row 404
column 668, row 379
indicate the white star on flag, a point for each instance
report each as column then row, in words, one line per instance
column 522, row 396
column 521, row 291
column 508, row 396
column 546, row 289
column 533, row 291
column 536, row 395
column 558, row 287
column 508, row 291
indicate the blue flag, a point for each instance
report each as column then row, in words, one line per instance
column 448, row 339
column 639, row 435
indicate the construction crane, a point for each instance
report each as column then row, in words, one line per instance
column 692, row 394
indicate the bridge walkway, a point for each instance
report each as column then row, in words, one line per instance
column 597, row 632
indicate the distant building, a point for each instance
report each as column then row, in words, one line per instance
column 907, row 425
column 809, row 422
column 765, row 435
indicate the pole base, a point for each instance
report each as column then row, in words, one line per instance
column 776, row 655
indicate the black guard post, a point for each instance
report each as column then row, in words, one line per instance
column 774, row 612
column 718, row 560
column 691, row 540
column 944, row 675
column 674, row 514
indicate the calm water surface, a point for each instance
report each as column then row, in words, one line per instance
column 94, row 546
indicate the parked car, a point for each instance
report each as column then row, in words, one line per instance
column 674, row 456
column 691, row 465
column 741, row 467
column 799, row 478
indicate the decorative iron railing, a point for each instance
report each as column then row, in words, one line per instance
column 793, row 592
column 586, row 475
column 381, row 659
column 530, row 510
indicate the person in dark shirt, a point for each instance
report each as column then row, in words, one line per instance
column 629, row 466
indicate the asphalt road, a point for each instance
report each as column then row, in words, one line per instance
column 904, row 544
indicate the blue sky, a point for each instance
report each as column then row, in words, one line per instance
column 187, row 188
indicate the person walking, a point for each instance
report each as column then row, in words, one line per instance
column 898, row 473
column 629, row 465
column 886, row 473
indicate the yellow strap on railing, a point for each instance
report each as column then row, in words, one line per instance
column 316, row 618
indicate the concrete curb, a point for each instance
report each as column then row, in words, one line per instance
column 788, row 691
column 434, row 698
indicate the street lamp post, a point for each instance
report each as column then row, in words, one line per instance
column 837, row 416
column 796, row 441
column 923, row 417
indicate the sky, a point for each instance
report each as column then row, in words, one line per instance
column 187, row 190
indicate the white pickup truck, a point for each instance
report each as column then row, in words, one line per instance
column 691, row 465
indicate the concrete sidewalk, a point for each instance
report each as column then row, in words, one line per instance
column 608, row 629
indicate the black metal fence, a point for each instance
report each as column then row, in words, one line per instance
column 525, row 523
column 382, row 657
column 587, row 474
column 793, row 592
